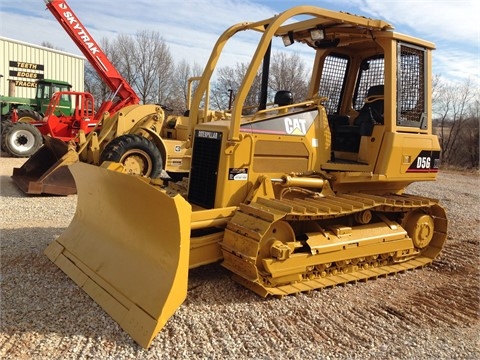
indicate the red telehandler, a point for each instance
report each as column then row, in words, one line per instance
column 121, row 130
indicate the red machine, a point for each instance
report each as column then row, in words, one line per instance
column 124, row 93
column 67, row 127
column 61, row 122
column 46, row 170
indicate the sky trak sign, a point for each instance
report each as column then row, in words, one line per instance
column 81, row 32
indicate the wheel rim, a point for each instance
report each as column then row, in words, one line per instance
column 27, row 119
column 274, row 242
column 137, row 162
column 420, row 227
column 22, row 141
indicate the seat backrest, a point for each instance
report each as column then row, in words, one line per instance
column 372, row 111
column 376, row 90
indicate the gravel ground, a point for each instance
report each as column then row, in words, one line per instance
column 423, row 314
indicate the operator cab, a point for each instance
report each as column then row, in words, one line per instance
column 361, row 113
column 46, row 89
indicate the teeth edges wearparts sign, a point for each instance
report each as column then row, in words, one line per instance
column 26, row 70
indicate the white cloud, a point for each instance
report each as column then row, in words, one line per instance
column 434, row 19
column 451, row 24
column 190, row 30
column 457, row 65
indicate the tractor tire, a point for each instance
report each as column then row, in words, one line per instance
column 21, row 139
column 136, row 153
column 3, row 125
column 28, row 116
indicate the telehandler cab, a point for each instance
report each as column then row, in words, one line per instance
column 296, row 197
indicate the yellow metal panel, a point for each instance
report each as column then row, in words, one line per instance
column 136, row 264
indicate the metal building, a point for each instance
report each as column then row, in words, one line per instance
column 21, row 64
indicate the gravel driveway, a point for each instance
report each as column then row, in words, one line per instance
column 423, row 314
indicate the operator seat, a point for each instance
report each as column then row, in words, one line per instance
column 347, row 137
column 372, row 111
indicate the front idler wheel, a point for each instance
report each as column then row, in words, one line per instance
column 420, row 227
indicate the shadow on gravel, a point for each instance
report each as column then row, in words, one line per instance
column 37, row 297
column 9, row 188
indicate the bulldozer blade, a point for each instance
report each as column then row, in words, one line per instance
column 128, row 248
column 46, row 171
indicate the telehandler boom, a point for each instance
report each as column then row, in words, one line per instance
column 295, row 197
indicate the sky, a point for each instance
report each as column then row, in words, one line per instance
column 190, row 28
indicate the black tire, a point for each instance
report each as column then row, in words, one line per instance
column 175, row 176
column 139, row 155
column 21, row 139
column 3, row 125
column 27, row 115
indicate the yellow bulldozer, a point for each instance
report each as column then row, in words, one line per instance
column 305, row 194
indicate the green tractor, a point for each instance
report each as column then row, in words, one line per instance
column 20, row 116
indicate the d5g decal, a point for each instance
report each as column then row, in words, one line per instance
column 426, row 161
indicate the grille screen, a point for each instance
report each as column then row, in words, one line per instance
column 204, row 170
column 372, row 74
column 411, row 86
column 333, row 79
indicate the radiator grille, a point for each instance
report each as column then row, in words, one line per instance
column 204, row 170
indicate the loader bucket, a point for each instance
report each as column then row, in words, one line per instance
column 46, row 171
column 128, row 248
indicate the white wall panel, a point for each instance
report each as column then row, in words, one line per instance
column 24, row 63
